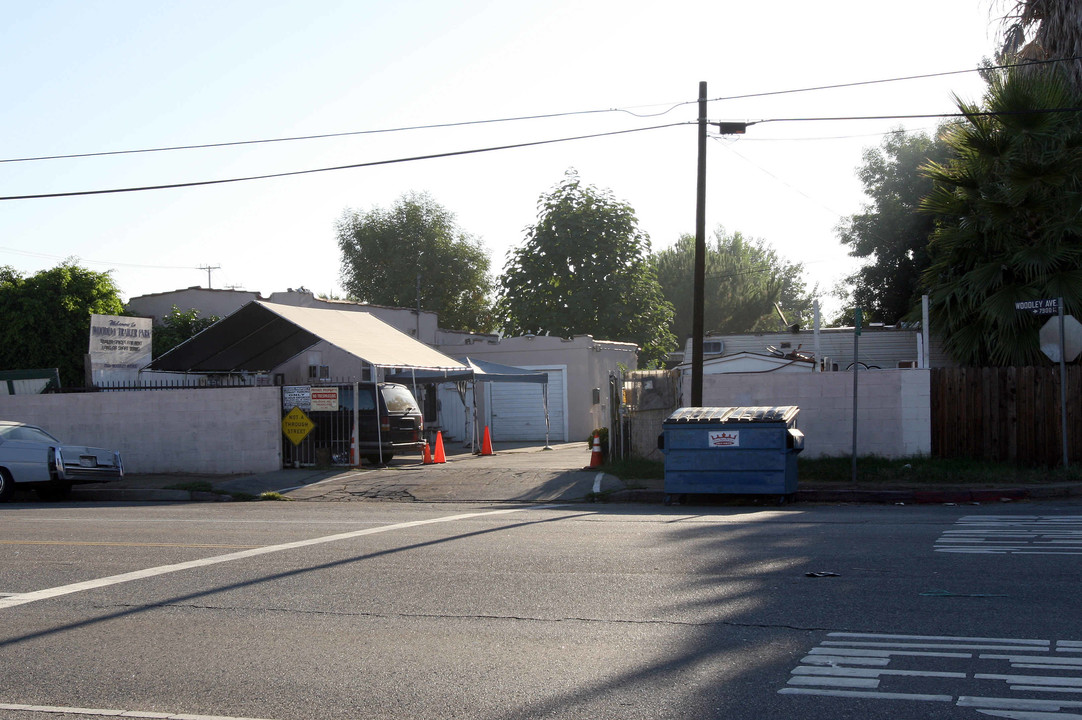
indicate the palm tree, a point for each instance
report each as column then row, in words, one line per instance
column 1008, row 213
column 1043, row 30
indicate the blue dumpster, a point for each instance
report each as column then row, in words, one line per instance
column 731, row 450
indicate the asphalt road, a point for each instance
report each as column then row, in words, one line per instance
column 384, row 610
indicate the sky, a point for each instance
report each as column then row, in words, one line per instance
column 92, row 76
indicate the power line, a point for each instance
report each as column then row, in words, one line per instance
column 540, row 116
column 234, row 143
column 338, row 167
column 925, row 76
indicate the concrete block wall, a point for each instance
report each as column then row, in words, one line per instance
column 893, row 406
column 214, row 431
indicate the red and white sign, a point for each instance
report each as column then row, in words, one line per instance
column 325, row 399
column 724, row 438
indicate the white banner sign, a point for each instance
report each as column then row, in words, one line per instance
column 119, row 347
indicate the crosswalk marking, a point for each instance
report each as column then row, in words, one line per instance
column 1014, row 534
column 1031, row 679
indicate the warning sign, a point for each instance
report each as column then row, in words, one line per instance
column 325, row 399
column 296, row 425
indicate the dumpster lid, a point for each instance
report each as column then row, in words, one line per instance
column 759, row 414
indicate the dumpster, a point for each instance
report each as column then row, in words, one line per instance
column 731, row 450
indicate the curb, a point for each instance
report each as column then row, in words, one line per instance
column 957, row 496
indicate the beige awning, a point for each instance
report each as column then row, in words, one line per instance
column 260, row 336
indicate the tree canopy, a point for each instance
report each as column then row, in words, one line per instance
column 890, row 233
column 47, row 317
column 387, row 254
column 584, row 268
column 744, row 278
column 178, row 326
column 1007, row 217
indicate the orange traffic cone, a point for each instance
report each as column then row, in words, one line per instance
column 486, row 444
column 440, row 457
column 427, row 457
column 353, row 452
column 595, row 454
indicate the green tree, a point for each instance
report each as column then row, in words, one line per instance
column 178, row 326
column 744, row 278
column 890, row 233
column 1008, row 226
column 47, row 317
column 584, row 269
column 416, row 253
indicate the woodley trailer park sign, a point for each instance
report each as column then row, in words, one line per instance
column 1055, row 352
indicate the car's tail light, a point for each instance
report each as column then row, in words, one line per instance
column 385, row 423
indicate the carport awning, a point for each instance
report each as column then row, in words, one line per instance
column 477, row 371
column 261, row 336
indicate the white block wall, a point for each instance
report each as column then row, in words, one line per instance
column 893, row 406
column 219, row 431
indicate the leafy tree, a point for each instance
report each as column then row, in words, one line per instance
column 178, row 326
column 47, row 317
column 890, row 232
column 584, row 268
column 744, row 278
column 1008, row 226
column 384, row 252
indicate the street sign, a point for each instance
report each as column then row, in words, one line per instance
column 1046, row 306
column 1072, row 338
column 296, row 425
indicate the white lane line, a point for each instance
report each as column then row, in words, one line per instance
column 952, row 638
column 56, row 710
column 860, row 694
column 48, row 593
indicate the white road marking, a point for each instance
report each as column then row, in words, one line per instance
column 56, row 710
column 874, row 666
column 1014, row 534
column 597, row 483
column 48, row 593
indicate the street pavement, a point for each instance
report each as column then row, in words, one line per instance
column 514, row 474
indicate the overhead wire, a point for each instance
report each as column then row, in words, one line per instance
column 374, row 163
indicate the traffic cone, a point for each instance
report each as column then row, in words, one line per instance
column 428, row 456
column 440, row 457
column 595, row 455
column 486, row 444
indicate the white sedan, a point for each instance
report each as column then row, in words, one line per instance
column 31, row 457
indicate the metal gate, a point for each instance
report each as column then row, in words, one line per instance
column 329, row 440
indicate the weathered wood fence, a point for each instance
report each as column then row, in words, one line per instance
column 1005, row 414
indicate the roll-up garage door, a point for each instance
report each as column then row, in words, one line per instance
column 518, row 413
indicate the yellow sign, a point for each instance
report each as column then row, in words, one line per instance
column 296, row 425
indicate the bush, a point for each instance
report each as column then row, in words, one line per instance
column 602, row 433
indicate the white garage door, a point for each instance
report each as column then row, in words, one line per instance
column 518, row 413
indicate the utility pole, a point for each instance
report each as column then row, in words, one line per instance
column 699, row 293
column 208, row 268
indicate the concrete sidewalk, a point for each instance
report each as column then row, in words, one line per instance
column 516, row 473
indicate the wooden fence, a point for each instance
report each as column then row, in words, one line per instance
column 1005, row 414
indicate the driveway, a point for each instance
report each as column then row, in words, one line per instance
column 523, row 474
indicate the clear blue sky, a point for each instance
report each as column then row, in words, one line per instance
column 94, row 76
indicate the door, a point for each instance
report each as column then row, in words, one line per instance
column 517, row 411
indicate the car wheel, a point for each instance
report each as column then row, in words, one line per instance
column 54, row 492
column 7, row 486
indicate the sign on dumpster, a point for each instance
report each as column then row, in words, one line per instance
column 296, row 425
column 724, row 438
